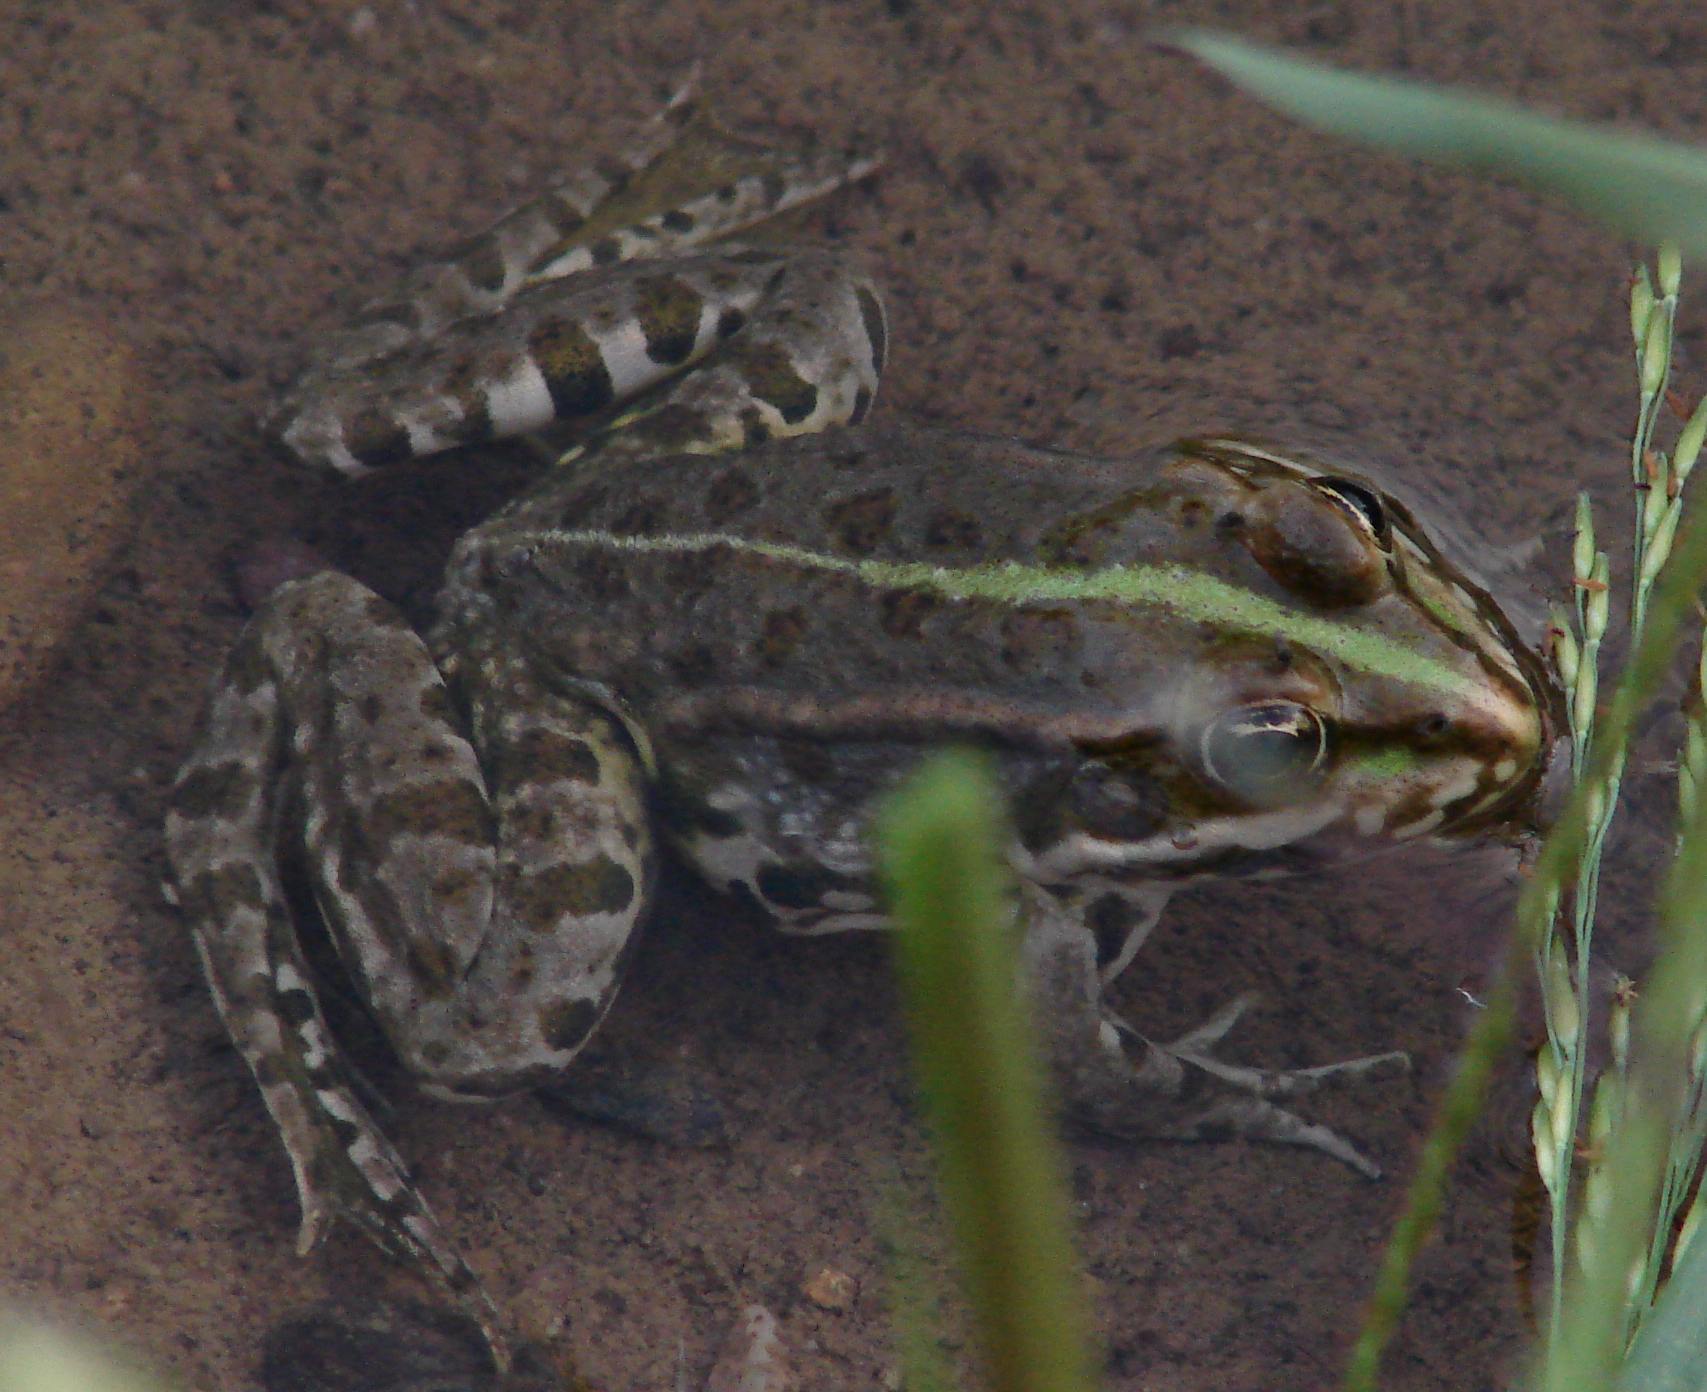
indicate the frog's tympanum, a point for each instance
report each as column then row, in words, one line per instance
column 731, row 620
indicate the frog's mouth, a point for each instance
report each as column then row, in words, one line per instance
column 1337, row 827
column 1529, row 807
column 1279, row 841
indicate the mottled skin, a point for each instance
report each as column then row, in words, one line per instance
column 715, row 626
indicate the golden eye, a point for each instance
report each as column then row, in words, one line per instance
column 1263, row 752
column 1364, row 504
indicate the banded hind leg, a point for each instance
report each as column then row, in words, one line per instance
column 569, row 308
column 481, row 877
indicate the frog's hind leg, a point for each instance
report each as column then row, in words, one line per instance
column 699, row 353
column 417, row 371
column 481, row 889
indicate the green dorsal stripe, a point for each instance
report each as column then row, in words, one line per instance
column 1185, row 593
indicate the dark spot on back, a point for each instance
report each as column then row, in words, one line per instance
column 800, row 886
column 602, row 576
column 451, row 807
column 565, row 217
column 731, row 493
column 464, row 383
column 682, row 807
column 246, row 670
column 640, row 519
column 773, row 378
column 755, row 429
column 861, row 523
column 432, row 966
column 222, row 791
column 597, row 886
column 543, row 755
column 295, row 1007
column 780, row 635
column 1038, row 640
column 813, row 762
column 951, row 530
column 905, row 611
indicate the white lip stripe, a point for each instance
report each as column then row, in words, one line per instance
column 1421, row 826
column 1260, row 832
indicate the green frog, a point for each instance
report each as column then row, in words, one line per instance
column 731, row 619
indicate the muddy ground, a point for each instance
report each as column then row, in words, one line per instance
column 1085, row 241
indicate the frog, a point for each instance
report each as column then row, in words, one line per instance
column 730, row 618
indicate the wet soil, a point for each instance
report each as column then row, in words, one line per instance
column 1085, row 241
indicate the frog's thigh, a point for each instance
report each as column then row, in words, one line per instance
column 484, row 892
column 482, row 901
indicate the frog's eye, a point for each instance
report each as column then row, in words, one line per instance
column 1364, row 504
column 1263, row 751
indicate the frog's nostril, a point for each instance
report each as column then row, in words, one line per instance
column 1434, row 728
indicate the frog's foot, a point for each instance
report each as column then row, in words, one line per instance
column 570, row 307
column 1255, row 1116
column 343, row 1165
column 1118, row 1082
column 361, row 1177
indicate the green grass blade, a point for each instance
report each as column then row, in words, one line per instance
column 980, row 1076
column 1666, row 1015
column 1647, row 188
column 1637, row 686
column 1670, row 1354
column 915, row 1285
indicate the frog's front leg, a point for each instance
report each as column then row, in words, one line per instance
column 481, row 888
column 1121, row 1083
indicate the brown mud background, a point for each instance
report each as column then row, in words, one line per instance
column 1085, row 241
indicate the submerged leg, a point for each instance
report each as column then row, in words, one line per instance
column 758, row 342
column 562, row 280
column 1165, row 1091
column 481, row 887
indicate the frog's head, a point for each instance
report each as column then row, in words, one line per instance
column 1336, row 684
